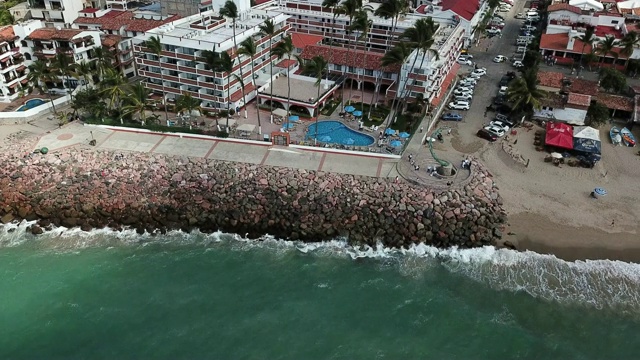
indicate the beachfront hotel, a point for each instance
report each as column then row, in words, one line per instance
column 183, row 69
column 13, row 70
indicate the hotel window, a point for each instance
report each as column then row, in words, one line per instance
column 368, row 72
column 337, row 67
column 352, row 69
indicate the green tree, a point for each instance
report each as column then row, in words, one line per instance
column 6, row 18
column 590, row 58
column 211, row 59
column 283, row 49
column 613, row 80
column 84, row 71
column 316, row 67
column 588, row 38
column 389, row 9
column 90, row 101
column 349, row 8
column 605, row 47
column 332, row 5
column 395, row 58
column 188, row 104
column 362, row 24
column 268, row 28
column 230, row 10
column 39, row 74
column 136, row 101
column 155, row 46
column 224, row 63
column 524, row 94
column 102, row 60
column 113, row 87
column 63, row 66
column 597, row 115
column 629, row 43
column 248, row 47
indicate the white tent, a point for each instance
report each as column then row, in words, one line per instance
column 586, row 139
column 246, row 127
column 587, row 4
column 280, row 112
column 586, row 132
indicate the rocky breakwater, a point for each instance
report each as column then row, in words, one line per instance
column 92, row 189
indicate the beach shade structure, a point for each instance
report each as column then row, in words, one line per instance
column 390, row 132
column 396, row 143
column 600, row 191
column 349, row 109
column 357, row 113
column 294, row 118
column 349, row 141
column 288, row 126
column 586, row 139
column 404, row 135
column 325, row 138
column 559, row 135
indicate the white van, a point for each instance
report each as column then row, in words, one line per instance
column 466, row 98
column 535, row 17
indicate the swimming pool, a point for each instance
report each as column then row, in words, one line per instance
column 335, row 132
column 31, row 103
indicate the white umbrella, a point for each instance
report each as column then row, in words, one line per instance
column 556, row 155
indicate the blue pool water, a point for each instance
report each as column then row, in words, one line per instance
column 30, row 104
column 334, row 132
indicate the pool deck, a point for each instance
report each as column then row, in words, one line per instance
column 323, row 132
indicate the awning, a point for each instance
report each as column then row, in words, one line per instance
column 280, row 112
column 586, row 139
column 13, row 85
column 559, row 135
column 4, row 60
column 24, row 81
column 246, row 127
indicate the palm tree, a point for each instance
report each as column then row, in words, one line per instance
column 392, row 9
column 39, row 75
column 268, row 28
column 317, row 66
column 84, row 71
column 248, row 47
column 224, row 63
column 155, row 46
column 628, row 43
column 113, row 86
column 349, row 8
column 396, row 57
column 523, row 92
column 331, row 4
column 62, row 65
column 362, row 24
column 587, row 39
column 211, row 59
column 605, row 47
column 230, row 10
column 103, row 60
column 187, row 103
column 282, row 49
column 136, row 101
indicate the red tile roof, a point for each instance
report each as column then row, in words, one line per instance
column 286, row 63
column 616, row 102
column 552, row 100
column 89, row 11
column 238, row 94
column 302, row 40
column 53, row 34
column 584, row 87
column 116, row 20
column 422, row 9
column 579, row 99
column 7, row 34
column 110, row 40
column 564, row 6
column 550, row 79
column 341, row 56
column 463, row 8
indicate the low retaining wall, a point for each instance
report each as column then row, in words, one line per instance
column 23, row 117
column 82, row 187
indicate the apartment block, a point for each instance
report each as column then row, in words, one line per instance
column 56, row 13
column 184, row 69
column 13, row 70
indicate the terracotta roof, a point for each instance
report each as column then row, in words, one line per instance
column 579, row 99
column 54, row 34
column 550, row 79
column 302, row 40
column 286, row 63
column 248, row 88
column 463, row 8
column 564, row 6
column 89, row 11
column 342, row 56
column 561, row 41
column 110, row 40
column 584, row 87
column 7, row 34
column 422, row 9
column 636, row 89
column 552, row 100
column 116, row 20
column 616, row 102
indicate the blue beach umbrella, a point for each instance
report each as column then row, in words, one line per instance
column 349, row 141
column 294, row 118
column 288, row 126
column 325, row 138
column 396, row 143
column 357, row 113
column 600, row 191
column 390, row 132
column 404, row 135
column 349, row 109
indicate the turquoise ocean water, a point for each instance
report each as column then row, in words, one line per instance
column 122, row 296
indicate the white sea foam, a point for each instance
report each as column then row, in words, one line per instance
column 600, row 284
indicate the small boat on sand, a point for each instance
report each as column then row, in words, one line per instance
column 627, row 137
column 616, row 138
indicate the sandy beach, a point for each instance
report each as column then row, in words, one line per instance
column 549, row 207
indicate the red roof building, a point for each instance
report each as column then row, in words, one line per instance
column 564, row 6
column 300, row 41
column 115, row 20
column 341, row 56
column 464, row 8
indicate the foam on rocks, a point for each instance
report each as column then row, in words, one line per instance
column 152, row 193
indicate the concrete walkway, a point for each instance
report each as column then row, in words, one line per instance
column 254, row 152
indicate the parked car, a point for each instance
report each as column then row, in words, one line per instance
column 468, row 82
column 499, row 59
column 463, row 89
column 499, row 100
column 479, row 72
column 503, row 90
column 497, row 16
column 510, row 2
column 504, row 81
column 505, row 119
column 465, row 55
column 494, row 31
column 463, row 61
column 497, row 131
column 520, row 15
column 464, row 97
column 518, row 64
column 451, row 117
column 504, row 126
column 528, row 28
column 484, row 134
column 459, row 105
column 460, row 92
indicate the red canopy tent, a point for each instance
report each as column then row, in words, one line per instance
column 559, row 135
